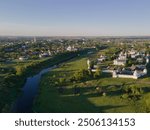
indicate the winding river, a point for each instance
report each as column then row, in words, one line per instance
column 30, row 89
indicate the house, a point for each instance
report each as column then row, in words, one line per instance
column 134, row 72
column 147, row 60
column 102, row 58
column 140, row 60
column 121, row 60
column 71, row 48
column 49, row 52
column 90, row 52
column 133, row 56
column 43, row 55
column 132, row 52
column 22, row 58
column 129, row 74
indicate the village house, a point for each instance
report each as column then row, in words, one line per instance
column 71, row 48
column 140, row 59
column 119, row 62
column 45, row 54
column 23, row 58
column 132, row 53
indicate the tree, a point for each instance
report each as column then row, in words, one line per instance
column 81, row 75
column 90, row 73
column 97, row 74
column 133, row 92
column 20, row 70
column 61, row 81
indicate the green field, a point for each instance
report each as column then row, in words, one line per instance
column 88, row 100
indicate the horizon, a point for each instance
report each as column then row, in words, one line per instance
column 75, row 36
column 65, row 18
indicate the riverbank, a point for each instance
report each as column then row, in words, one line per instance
column 11, row 88
column 24, row 102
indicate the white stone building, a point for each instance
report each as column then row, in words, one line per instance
column 121, row 60
column 136, row 74
column 102, row 58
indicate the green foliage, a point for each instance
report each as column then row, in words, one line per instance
column 133, row 91
column 98, row 73
column 81, row 75
column 20, row 70
column 4, row 70
column 78, row 76
column 62, row 81
column 130, row 62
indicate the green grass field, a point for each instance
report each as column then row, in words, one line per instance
column 50, row 100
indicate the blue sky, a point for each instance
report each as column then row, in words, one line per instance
column 75, row 17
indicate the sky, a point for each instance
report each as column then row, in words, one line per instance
column 75, row 17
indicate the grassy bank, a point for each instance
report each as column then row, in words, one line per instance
column 88, row 100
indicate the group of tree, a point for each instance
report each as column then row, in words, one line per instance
column 83, row 75
column 132, row 92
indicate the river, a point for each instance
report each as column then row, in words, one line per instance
column 29, row 91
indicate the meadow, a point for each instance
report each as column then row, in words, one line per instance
column 88, row 100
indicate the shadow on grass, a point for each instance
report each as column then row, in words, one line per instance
column 146, row 89
column 68, row 102
column 91, row 92
column 78, row 104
